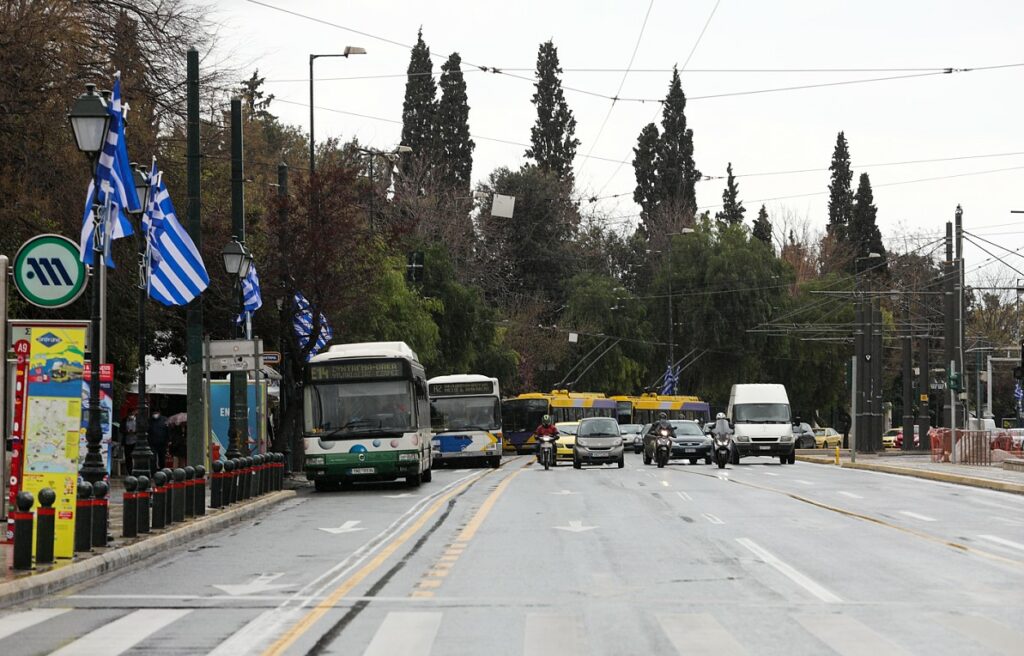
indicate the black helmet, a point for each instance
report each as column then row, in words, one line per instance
column 662, row 415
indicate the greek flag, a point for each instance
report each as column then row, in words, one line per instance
column 1018, row 393
column 303, row 326
column 176, row 270
column 252, row 300
column 668, row 386
column 117, row 187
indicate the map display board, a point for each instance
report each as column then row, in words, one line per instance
column 53, row 418
column 220, row 415
column 106, row 412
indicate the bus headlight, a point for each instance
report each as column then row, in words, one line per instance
column 408, row 456
column 316, row 460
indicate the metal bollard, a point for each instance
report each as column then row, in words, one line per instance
column 282, row 464
column 200, row 496
column 83, row 520
column 260, row 474
column 46, row 526
column 23, row 521
column 178, row 495
column 250, row 477
column 159, row 499
column 130, row 519
column 228, row 484
column 168, row 506
column 190, row 491
column 216, row 478
column 100, row 490
column 142, row 501
column 243, row 479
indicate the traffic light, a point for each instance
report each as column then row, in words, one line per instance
column 954, row 382
column 414, row 266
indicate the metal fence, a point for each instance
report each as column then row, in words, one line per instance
column 973, row 447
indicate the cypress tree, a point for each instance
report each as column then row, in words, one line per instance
column 840, row 192
column 420, row 107
column 864, row 235
column 763, row 227
column 552, row 138
column 732, row 208
column 455, row 147
column 677, row 173
column 645, row 168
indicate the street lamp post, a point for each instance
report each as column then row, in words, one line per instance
column 868, row 363
column 90, row 121
column 237, row 261
column 671, row 313
column 142, row 454
column 349, row 50
column 391, row 156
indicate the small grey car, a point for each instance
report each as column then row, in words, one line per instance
column 598, row 441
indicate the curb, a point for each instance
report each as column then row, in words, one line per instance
column 37, row 585
column 958, row 479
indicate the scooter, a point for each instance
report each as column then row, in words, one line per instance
column 546, row 450
column 723, row 449
column 662, row 447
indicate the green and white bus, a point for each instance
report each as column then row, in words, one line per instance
column 465, row 410
column 367, row 417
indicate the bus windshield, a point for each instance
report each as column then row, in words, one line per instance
column 356, row 409
column 522, row 414
column 761, row 413
column 451, row 413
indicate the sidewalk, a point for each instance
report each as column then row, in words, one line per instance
column 19, row 586
column 992, row 477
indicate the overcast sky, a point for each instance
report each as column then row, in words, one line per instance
column 935, row 116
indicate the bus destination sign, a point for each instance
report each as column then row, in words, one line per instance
column 461, row 389
column 357, row 370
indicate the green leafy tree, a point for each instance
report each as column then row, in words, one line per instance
column 645, row 168
column 455, row 146
column 419, row 109
column 732, row 207
column 763, row 227
column 863, row 233
column 840, row 192
column 552, row 137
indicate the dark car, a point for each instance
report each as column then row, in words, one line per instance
column 690, row 442
column 803, row 436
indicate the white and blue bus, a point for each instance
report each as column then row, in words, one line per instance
column 367, row 416
column 465, row 415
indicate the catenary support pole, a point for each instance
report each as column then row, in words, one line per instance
column 908, row 382
column 948, row 312
column 196, row 410
column 924, row 391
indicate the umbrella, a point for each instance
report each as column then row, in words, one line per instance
column 178, row 419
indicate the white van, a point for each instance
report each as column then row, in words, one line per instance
column 762, row 422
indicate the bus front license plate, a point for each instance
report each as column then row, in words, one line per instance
column 364, row 470
column 765, row 447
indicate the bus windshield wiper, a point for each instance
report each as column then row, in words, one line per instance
column 347, row 426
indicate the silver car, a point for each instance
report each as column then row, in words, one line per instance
column 598, row 441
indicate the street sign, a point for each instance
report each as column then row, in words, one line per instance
column 47, row 271
column 233, row 355
column 271, row 357
column 924, row 398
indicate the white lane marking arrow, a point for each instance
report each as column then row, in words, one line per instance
column 914, row 515
column 562, row 492
column 351, row 526
column 262, row 583
column 575, row 526
column 404, row 495
column 711, row 518
column 850, row 494
column 684, row 496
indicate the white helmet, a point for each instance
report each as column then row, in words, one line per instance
column 721, row 415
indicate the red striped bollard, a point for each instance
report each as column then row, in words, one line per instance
column 159, row 499
column 228, row 484
column 200, row 496
column 168, row 515
column 216, row 481
column 130, row 518
column 46, row 526
column 142, row 504
column 99, row 514
column 178, row 495
column 260, row 474
column 190, row 491
column 23, row 521
column 83, row 518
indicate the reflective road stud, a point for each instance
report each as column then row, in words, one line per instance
column 100, row 489
column 46, row 526
column 23, row 520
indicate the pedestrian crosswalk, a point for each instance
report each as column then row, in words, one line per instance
column 545, row 632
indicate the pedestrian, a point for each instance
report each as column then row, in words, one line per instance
column 129, row 435
column 158, row 439
column 178, row 445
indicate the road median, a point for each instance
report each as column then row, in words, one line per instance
column 929, row 474
column 34, row 585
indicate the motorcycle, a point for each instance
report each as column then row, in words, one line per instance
column 546, row 450
column 723, row 449
column 662, row 447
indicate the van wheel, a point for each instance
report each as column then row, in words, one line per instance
column 428, row 476
column 414, row 480
column 323, row 486
column 792, row 459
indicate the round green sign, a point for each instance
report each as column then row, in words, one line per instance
column 47, row 271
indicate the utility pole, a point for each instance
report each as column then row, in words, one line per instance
column 878, row 416
column 948, row 312
column 283, row 434
column 196, row 426
column 858, row 407
column 671, row 318
column 908, row 374
column 239, row 414
column 924, row 390
column 959, row 228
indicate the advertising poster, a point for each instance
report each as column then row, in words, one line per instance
column 220, row 415
column 106, row 412
column 53, row 417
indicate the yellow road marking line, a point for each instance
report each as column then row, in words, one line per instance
column 439, row 573
column 422, row 593
column 449, row 559
column 318, row 611
column 430, row 583
column 474, row 524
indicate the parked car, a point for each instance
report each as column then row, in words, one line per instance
column 631, row 434
column 690, row 442
column 889, row 438
column 598, row 442
column 827, row 438
column 566, row 440
column 898, row 442
column 803, row 436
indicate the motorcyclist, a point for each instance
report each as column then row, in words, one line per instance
column 545, row 428
column 662, row 422
column 722, row 427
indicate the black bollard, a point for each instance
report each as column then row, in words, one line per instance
column 159, row 499
column 83, row 520
column 228, row 484
column 281, row 463
column 250, row 479
column 178, row 495
column 168, row 506
column 258, row 459
column 23, row 521
column 142, row 501
column 216, row 478
column 100, row 490
column 46, row 526
column 190, row 491
column 130, row 518
column 200, row 495
column 243, row 479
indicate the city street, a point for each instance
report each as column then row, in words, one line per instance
column 758, row 558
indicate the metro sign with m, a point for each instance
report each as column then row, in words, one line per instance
column 48, row 272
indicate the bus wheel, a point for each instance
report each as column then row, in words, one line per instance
column 428, row 476
column 414, row 480
column 495, row 462
column 322, row 485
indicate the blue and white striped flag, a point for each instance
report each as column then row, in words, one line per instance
column 303, row 326
column 177, row 274
column 117, row 187
column 668, row 386
column 252, row 299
